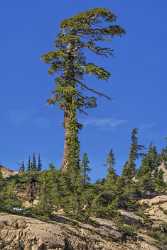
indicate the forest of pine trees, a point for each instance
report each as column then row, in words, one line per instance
column 33, row 164
column 74, row 193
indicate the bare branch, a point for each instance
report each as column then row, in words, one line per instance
column 93, row 90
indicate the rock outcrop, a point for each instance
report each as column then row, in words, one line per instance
column 22, row 233
column 6, row 172
column 164, row 169
column 156, row 209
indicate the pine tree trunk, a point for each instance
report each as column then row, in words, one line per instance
column 71, row 142
column 66, row 145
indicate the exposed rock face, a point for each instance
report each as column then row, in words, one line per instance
column 164, row 169
column 6, row 172
column 131, row 218
column 157, row 208
column 22, row 233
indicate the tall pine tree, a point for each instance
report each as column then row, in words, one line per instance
column 79, row 34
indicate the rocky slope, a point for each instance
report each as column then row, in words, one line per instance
column 22, row 233
column 156, row 209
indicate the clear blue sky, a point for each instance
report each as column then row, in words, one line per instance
column 138, row 84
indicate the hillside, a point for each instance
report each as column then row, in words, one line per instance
column 47, row 210
column 18, row 232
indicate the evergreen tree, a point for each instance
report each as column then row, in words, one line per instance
column 160, row 184
column 52, row 167
column 48, row 195
column 111, row 178
column 22, row 168
column 32, row 188
column 129, row 169
column 75, row 196
column 29, row 165
column 150, row 162
column 8, row 195
column 85, row 168
column 78, row 34
column 148, row 174
column 34, row 162
column 39, row 168
column 110, row 162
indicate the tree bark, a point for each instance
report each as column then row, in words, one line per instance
column 71, row 141
column 66, row 146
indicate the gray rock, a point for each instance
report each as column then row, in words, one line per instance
column 21, row 233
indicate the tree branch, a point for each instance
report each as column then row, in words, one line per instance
column 93, row 90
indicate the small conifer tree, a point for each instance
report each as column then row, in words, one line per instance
column 34, row 162
column 149, row 176
column 111, row 178
column 29, row 165
column 22, row 168
column 129, row 169
column 39, row 168
column 110, row 162
column 85, row 169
